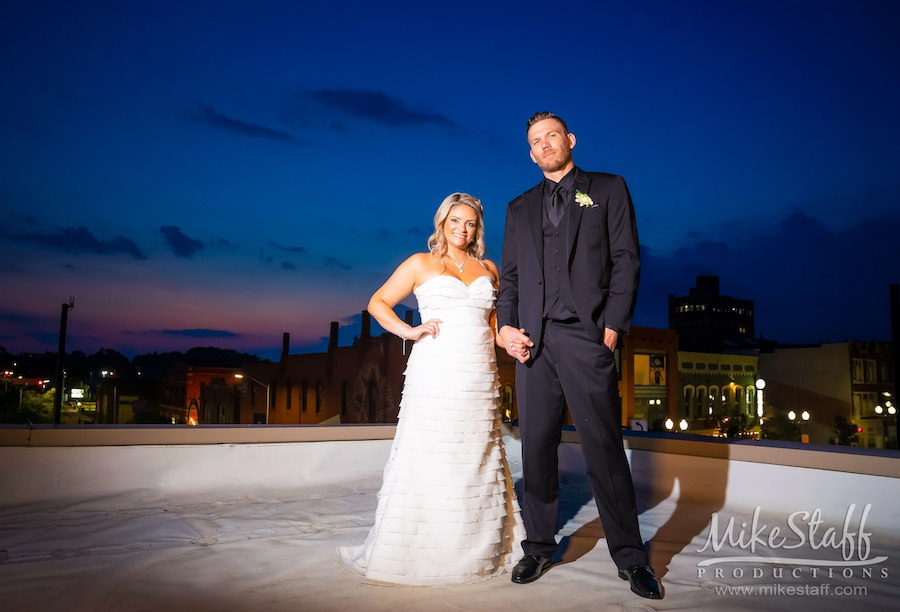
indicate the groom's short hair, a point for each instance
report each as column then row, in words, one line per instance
column 545, row 115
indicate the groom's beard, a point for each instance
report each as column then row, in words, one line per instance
column 555, row 164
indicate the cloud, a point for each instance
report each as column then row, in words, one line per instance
column 371, row 105
column 296, row 249
column 77, row 240
column 209, row 116
column 222, row 242
column 288, row 265
column 17, row 317
column 180, row 244
column 331, row 261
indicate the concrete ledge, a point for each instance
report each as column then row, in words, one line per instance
column 834, row 458
column 176, row 435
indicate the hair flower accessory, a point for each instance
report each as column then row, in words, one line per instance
column 583, row 199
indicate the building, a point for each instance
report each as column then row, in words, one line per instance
column 715, row 390
column 361, row 383
column 181, row 394
column 850, row 379
column 648, row 383
column 708, row 322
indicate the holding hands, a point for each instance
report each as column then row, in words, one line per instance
column 516, row 342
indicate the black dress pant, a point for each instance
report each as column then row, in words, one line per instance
column 573, row 369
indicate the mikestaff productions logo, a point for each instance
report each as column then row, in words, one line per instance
column 804, row 548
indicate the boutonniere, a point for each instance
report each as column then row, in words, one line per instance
column 584, row 199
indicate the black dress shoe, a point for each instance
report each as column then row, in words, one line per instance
column 530, row 568
column 642, row 580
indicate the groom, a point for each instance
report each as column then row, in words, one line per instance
column 568, row 283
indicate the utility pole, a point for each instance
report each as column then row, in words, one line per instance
column 60, row 361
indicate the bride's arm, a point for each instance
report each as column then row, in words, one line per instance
column 398, row 286
column 495, row 278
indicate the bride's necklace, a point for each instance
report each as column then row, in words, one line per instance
column 458, row 266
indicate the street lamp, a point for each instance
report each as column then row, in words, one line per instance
column 760, row 385
column 268, row 389
column 683, row 425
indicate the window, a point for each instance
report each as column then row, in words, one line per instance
column 318, row 397
column 701, row 366
column 223, row 414
column 864, row 404
column 689, row 408
column 871, row 375
column 687, row 365
column 702, row 402
column 304, row 391
column 726, row 367
column 289, row 391
column 737, row 368
column 857, row 371
column 344, row 398
column 713, row 366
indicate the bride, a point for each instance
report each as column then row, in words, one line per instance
column 447, row 512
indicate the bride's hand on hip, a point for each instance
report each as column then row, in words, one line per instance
column 429, row 328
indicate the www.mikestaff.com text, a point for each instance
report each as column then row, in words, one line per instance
column 797, row 590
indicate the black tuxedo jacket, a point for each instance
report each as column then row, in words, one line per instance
column 603, row 254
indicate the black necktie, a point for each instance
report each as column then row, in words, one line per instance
column 556, row 207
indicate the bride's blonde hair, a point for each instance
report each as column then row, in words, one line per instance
column 437, row 243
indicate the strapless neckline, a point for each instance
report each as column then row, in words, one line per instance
column 458, row 280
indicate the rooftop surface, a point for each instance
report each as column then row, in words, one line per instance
column 217, row 520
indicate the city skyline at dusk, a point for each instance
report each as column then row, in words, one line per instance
column 205, row 174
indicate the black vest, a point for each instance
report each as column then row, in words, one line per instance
column 558, row 302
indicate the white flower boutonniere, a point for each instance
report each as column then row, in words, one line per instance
column 583, row 199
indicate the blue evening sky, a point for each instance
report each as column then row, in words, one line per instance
column 217, row 173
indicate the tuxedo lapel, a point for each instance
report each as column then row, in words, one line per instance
column 582, row 184
column 534, row 208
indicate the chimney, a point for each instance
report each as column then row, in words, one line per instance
column 366, row 325
column 285, row 346
column 333, row 338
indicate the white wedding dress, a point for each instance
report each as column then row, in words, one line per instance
column 447, row 512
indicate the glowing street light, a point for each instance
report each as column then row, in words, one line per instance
column 792, row 415
column 683, row 424
column 760, row 385
column 670, row 424
column 268, row 390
